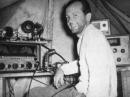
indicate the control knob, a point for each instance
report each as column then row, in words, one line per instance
column 2, row 66
column 15, row 66
column 28, row 65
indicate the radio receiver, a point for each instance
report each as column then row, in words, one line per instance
column 16, row 56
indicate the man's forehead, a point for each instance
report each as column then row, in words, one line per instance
column 76, row 5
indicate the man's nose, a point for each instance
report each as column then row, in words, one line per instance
column 70, row 22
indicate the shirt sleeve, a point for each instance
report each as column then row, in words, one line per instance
column 70, row 68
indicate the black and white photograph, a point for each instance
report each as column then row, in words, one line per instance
column 64, row 48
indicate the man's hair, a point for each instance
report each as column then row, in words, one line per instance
column 85, row 5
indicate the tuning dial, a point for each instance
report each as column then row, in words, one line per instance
column 2, row 66
column 28, row 65
column 15, row 66
column 9, row 66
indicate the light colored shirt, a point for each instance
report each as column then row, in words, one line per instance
column 96, row 64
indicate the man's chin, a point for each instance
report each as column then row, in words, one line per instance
column 74, row 31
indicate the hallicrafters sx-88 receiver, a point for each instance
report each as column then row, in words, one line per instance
column 17, row 57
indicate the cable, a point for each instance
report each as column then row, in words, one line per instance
column 54, row 52
column 61, row 57
column 65, row 87
column 32, row 79
column 40, row 82
column 45, row 47
column 30, row 84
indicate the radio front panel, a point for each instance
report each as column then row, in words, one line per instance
column 120, row 48
column 12, row 64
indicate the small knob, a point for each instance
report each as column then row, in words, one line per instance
column 118, row 59
column 122, row 50
column 35, row 58
column 2, row 66
column 114, row 50
column 9, row 66
column 22, row 65
column 28, row 65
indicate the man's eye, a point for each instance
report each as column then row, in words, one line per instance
column 75, row 15
column 67, row 18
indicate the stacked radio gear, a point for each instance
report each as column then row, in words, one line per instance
column 28, row 30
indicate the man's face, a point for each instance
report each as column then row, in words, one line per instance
column 75, row 18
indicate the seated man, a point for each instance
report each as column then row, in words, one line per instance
column 95, row 64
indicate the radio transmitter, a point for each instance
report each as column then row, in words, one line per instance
column 18, row 56
column 120, row 47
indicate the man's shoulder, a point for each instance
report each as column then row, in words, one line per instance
column 92, row 31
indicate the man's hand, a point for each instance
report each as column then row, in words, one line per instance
column 59, row 78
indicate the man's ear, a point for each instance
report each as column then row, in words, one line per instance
column 88, row 17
